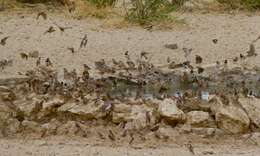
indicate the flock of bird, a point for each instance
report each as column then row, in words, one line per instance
column 138, row 71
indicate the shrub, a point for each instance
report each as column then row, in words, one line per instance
column 103, row 3
column 249, row 4
column 146, row 11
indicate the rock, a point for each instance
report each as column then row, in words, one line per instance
column 140, row 116
column 51, row 127
column 70, row 129
column 252, row 108
column 4, row 89
column 93, row 110
column 207, row 132
column 169, row 111
column 195, row 104
column 32, row 126
column 12, row 127
column 50, row 108
column 230, row 117
column 29, row 107
column 232, row 120
column 199, row 119
column 7, row 111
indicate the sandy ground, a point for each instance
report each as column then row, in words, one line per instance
column 75, row 147
column 234, row 34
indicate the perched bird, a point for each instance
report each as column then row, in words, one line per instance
column 42, row 14
column 144, row 55
column 48, row 62
column 198, row 59
column 190, row 148
column 235, row 59
column 111, row 135
column 200, row 70
column 171, row 46
column 24, row 56
column 84, row 41
column 251, row 51
column 3, row 40
column 72, row 50
column 215, row 41
column 187, row 51
column 50, row 30
column 38, row 62
column 168, row 59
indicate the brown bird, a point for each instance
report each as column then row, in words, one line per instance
column 48, row 62
column 251, row 51
column 171, row 46
column 24, row 56
column 43, row 14
column 198, row 59
column 187, row 51
column 84, row 41
column 50, row 30
column 200, row 70
column 190, row 148
column 72, row 50
column 144, row 55
column 215, row 41
column 62, row 29
column 111, row 135
column 235, row 59
column 225, row 62
column 38, row 62
column 3, row 40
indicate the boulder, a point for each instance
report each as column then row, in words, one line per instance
column 70, row 128
column 137, row 116
column 252, row 108
column 232, row 119
column 51, row 127
column 12, row 127
column 229, row 116
column 169, row 111
column 32, row 126
column 199, row 119
column 92, row 110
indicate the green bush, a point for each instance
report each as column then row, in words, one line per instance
column 103, row 3
column 249, row 4
column 147, row 11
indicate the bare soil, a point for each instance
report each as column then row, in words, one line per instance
column 234, row 34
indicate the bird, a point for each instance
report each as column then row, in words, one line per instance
column 235, row 59
column 43, row 14
column 50, row 30
column 62, row 29
column 24, row 56
column 190, row 148
column 38, row 62
column 144, row 55
column 198, row 59
column 171, row 46
column 215, row 41
column 72, row 50
column 48, row 62
column 168, row 59
column 187, row 51
column 251, row 51
column 3, row 40
column 200, row 70
column 84, row 41
column 111, row 135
